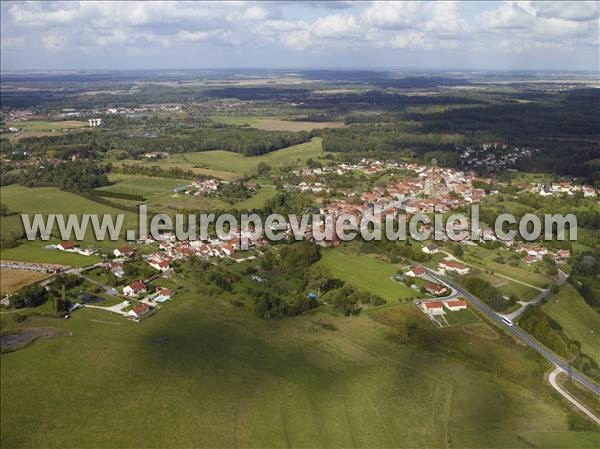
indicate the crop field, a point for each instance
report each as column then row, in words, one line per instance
column 13, row 280
column 229, row 165
column 355, row 382
column 367, row 273
column 579, row 321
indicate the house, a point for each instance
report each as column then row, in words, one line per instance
column 455, row 305
column 453, row 267
column 66, row 246
column 139, row 310
column 435, row 289
column 116, row 269
column 415, row 271
column 134, row 289
column 124, row 251
column 530, row 259
column 563, row 254
column 160, row 265
column 433, row 307
column 430, row 249
column 163, row 294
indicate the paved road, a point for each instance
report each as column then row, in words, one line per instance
column 517, row 332
column 568, row 397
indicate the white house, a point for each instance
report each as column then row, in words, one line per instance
column 139, row 310
column 415, row 271
column 124, row 251
column 67, row 246
column 134, row 289
column 430, row 249
column 454, row 267
column 433, row 307
column 455, row 305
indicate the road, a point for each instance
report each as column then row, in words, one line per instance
column 517, row 332
column 568, row 397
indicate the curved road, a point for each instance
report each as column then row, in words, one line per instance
column 517, row 332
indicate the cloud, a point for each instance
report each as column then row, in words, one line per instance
column 303, row 27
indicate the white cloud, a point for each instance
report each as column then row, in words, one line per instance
column 428, row 26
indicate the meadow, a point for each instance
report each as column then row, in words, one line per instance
column 146, row 186
column 203, row 374
column 230, row 166
column 578, row 320
column 366, row 273
column 42, row 125
column 272, row 124
column 47, row 200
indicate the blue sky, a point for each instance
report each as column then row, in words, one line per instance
column 429, row 35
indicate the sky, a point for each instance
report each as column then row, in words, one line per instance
column 511, row 35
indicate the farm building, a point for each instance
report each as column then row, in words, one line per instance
column 66, row 246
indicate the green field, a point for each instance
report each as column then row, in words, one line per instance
column 229, row 165
column 367, row 273
column 272, row 124
column 46, row 200
column 146, row 186
column 42, row 125
column 203, row 374
column 579, row 321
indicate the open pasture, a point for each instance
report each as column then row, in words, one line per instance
column 230, row 166
column 202, row 374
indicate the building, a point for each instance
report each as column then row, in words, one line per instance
column 433, row 307
column 449, row 266
column 66, row 246
column 139, row 310
column 430, row 249
column 160, row 265
column 435, row 289
column 124, row 251
column 134, row 289
column 163, row 294
column 455, row 305
column 415, row 271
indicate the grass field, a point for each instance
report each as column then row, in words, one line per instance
column 229, row 165
column 42, row 125
column 269, row 124
column 202, row 374
column 46, row 200
column 579, row 321
column 13, row 280
column 367, row 273
column 146, row 186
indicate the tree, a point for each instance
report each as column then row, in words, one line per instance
column 458, row 251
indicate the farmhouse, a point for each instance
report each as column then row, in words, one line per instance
column 124, row 251
column 430, row 249
column 453, row 267
column 433, row 307
column 139, row 310
column 415, row 271
column 455, row 305
column 134, row 289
